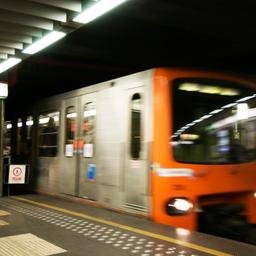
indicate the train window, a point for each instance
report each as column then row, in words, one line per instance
column 29, row 134
column 70, row 131
column 135, row 142
column 88, row 127
column 214, row 122
column 48, row 134
column 29, row 127
column 19, row 137
column 7, row 138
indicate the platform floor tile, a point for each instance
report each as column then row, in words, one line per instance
column 132, row 244
column 3, row 223
column 27, row 245
column 4, row 213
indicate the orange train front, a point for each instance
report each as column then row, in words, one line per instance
column 203, row 151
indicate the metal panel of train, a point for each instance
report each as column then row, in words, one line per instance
column 177, row 145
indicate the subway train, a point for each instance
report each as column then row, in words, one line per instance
column 176, row 145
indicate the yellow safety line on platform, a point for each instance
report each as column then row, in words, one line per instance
column 128, row 228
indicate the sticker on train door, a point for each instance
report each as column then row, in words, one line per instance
column 91, row 172
column 69, row 150
column 88, row 150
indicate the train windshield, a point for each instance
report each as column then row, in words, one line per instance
column 214, row 122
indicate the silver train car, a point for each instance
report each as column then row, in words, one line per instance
column 154, row 143
column 83, row 143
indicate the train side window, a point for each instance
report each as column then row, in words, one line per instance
column 135, row 140
column 29, row 134
column 19, row 137
column 70, row 124
column 29, row 127
column 7, row 138
column 88, row 128
column 48, row 134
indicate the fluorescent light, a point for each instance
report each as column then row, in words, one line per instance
column 97, row 10
column 229, row 105
column 44, row 120
column 43, row 42
column 194, row 87
column 190, row 87
column 3, row 90
column 246, row 98
column 9, row 126
column 216, row 111
column 8, row 64
column 29, row 122
column 242, row 111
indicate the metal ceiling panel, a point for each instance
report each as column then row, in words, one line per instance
column 20, row 29
column 72, row 5
column 11, row 44
column 27, row 20
column 3, row 56
column 23, row 22
column 35, row 9
column 16, row 37
column 6, row 50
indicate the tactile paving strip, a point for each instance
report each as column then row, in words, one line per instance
column 132, row 243
column 27, row 245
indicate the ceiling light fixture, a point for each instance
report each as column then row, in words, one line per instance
column 97, row 10
column 8, row 64
column 43, row 42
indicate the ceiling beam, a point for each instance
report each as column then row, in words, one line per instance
column 34, row 9
column 11, row 44
column 16, row 37
column 3, row 56
column 20, row 29
column 72, row 5
column 27, row 20
column 7, row 50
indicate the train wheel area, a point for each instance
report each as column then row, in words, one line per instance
column 45, row 225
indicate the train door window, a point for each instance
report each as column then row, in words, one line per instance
column 135, row 140
column 29, row 132
column 71, row 124
column 19, row 137
column 48, row 134
column 7, row 138
column 88, row 127
column 29, row 127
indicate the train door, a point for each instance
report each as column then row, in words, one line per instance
column 136, row 152
column 69, row 170
column 87, row 160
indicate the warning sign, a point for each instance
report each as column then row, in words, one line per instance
column 17, row 174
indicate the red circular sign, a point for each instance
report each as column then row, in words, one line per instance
column 17, row 171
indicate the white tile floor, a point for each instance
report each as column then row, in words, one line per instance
column 27, row 245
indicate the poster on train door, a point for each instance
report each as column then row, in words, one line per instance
column 17, row 174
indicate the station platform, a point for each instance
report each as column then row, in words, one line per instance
column 40, row 225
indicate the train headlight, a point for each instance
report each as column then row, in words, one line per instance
column 178, row 206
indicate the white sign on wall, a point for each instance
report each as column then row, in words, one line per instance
column 17, row 174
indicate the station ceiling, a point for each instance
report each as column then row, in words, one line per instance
column 137, row 35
